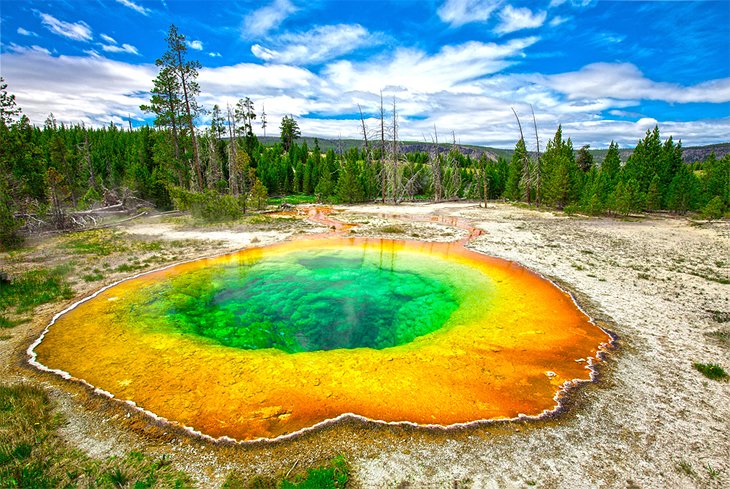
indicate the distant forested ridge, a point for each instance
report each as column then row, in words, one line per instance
column 224, row 170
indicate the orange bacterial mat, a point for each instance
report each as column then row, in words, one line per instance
column 452, row 337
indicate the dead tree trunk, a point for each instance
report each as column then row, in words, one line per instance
column 232, row 156
column 383, row 172
column 525, row 163
column 436, row 168
column 538, row 170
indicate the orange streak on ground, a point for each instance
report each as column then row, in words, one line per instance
column 508, row 359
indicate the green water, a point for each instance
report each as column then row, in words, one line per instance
column 311, row 300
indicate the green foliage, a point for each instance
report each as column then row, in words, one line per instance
column 334, row 476
column 514, row 175
column 712, row 371
column 654, row 196
column 34, row 288
column 714, row 209
column 32, row 455
column 289, row 131
column 90, row 198
column 6, row 323
column 258, row 196
column 9, row 224
column 99, row 242
column 208, row 205
column 349, row 186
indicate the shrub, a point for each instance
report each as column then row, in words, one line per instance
column 208, row 205
column 711, row 371
column 714, row 209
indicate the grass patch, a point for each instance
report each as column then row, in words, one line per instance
column 684, row 467
column 34, row 288
column 4, row 337
column 6, row 323
column 92, row 277
column 293, row 200
column 99, row 242
column 128, row 267
column 334, row 475
column 713, row 473
column 721, row 335
column 712, row 278
column 392, row 229
column 712, row 371
column 719, row 316
column 32, row 455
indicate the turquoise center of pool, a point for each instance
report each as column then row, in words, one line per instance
column 312, row 300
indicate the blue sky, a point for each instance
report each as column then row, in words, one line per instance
column 606, row 70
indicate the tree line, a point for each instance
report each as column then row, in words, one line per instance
column 222, row 171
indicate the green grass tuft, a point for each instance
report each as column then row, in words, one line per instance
column 32, row 455
column 34, row 288
column 712, row 371
column 334, row 475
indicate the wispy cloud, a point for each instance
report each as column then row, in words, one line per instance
column 322, row 43
column 78, row 31
column 460, row 12
column 513, row 19
column 124, row 48
column 418, row 73
column 108, row 39
column 626, row 81
column 260, row 22
column 28, row 49
column 558, row 20
column 137, row 8
column 215, row 54
column 24, row 32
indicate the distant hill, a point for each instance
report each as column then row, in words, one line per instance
column 690, row 154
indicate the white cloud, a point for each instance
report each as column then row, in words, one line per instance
column 197, row 45
column 514, row 19
column 24, row 32
column 124, row 48
column 76, row 89
column 79, row 31
column 135, row 7
column 420, row 73
column 574, row 3
column 460, row 12
column 215, row 54
column 626, row 81
column 108, row 39
column 28, row 49
column 320, row 44
column 460, row 88
column 558, row 20
column 260, row 22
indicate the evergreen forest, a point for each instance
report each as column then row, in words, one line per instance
column 223, row 171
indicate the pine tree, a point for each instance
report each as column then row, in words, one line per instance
column 258, row 196
column 349, row 187
column 9, row 111
column 514, row 176
column 611, row 165
column 654, row 195
column 584, row 159
column 186, row 73
column 289, row 131
column 682, row 195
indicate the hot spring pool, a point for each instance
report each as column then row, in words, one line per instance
column 266, row 342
